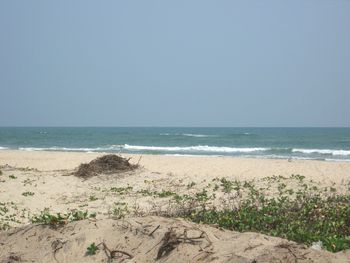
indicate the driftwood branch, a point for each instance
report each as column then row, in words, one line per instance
column 112, row 253
column 150, row 234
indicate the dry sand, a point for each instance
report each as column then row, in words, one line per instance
column 33, row 181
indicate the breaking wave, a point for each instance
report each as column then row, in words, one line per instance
column 199, row 148
column 189, row 135
column 294, row 153
column 64, row 149
column 322, row 151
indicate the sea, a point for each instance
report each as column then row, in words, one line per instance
column 329, row 144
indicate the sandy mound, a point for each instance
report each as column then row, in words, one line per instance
column 106, row 164
column 150, row 239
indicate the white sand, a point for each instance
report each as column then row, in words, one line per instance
column 240, row 168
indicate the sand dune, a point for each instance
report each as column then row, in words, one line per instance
column 151, row 239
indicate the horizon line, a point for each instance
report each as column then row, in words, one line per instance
column 242, row 127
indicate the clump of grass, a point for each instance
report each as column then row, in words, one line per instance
column 92, row 249
column 28, row 181
column 145, row 192
column 229, row 186
column 120, row 210
column 3, row 211
column 3, row 208
column 165, row 193
column 92, row 198
column 162, row 194
column 305, row 217
column 93, row 215
column 121, row 190
column 12, row 176
column 28, row 169
column 203, row 196
column 59, row 219
column 4, row 226
column 28, row 193
column 190, row 185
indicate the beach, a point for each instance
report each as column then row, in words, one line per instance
column 34, row 181
column 54, row 187
column 193, row 167
column 172, row 131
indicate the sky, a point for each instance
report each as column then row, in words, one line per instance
column 175, row 63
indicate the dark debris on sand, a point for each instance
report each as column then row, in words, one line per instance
column 106, row 164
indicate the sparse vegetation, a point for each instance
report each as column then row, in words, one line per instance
column 162, row 194
column 58, row 219
column 287, row 207
column 27, row 169
column 296, row 210
column 121, row 190
column 8, row 215
column 304, row 216
column 3, row 210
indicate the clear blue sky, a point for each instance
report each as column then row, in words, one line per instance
column 175, row 63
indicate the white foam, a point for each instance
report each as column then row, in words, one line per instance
column 189, row 149
column 31, row 149
column 3, row 148
column 55, row 148
column 188, row 134
column 199, row 148
column 197, row 135
column 322, row 151
column 202, row 150
column 193, row 155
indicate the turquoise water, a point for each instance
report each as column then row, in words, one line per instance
column 297, row 143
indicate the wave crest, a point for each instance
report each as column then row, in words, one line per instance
column 322, row 151
column 189, row 135
column 199, row 148
column 55, row 148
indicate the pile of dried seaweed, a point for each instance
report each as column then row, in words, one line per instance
column 106, row 164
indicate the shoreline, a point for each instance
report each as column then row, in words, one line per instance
column 332, row 155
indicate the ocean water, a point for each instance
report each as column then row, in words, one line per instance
column 295, row 143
